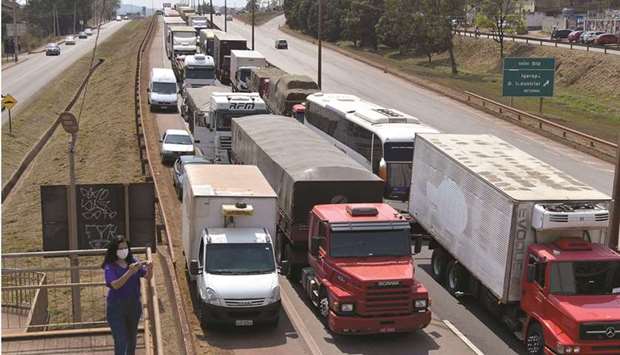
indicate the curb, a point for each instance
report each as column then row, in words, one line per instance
column 8, row 66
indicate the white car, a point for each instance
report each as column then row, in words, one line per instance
column 162, row 90
column 88, row 31
column 118, row 18
column 69, row 40
column 174, row 143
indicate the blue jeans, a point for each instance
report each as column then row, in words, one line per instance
column 123, row 316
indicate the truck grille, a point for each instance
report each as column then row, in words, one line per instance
column 244, row 302
column 225, row 142
column 599, row 331
column 387, row 300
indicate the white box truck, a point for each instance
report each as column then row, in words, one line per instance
column 241, row 65
column 522, row 237
column 229, row 218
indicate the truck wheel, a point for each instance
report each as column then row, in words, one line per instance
column 202, row 314
column 439, row 261
column 323, row 304
column 456, row 277
column 535, row 340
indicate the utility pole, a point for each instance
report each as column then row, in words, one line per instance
column 253, row 10
column 15, row 45
column 614, row 221
column 74, row 15
column 211, row 11
column 225, row 17
column 320, row 44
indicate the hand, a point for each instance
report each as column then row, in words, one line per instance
column 135, row 267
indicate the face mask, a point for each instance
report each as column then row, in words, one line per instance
column 122, row 253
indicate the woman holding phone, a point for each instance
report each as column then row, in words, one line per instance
column 122, row 276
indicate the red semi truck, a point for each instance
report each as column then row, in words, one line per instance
column 363, row 279
column 523, row 238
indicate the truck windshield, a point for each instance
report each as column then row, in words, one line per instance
column 585, row 278
column 224, row 118
column 200, row 73
column 165, row 88
column 184, row 35
column 178, row 139
column 399, row 175
column 370, row 243
column 240, row 258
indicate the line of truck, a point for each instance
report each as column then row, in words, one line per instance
column 526, row 240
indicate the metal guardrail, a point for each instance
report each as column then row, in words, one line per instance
column 602, row 148
column 507, row 36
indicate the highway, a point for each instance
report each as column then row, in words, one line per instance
column 342, row 74
column 24, row 80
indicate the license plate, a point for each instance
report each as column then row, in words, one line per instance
column 244, row 322
column 387, row 330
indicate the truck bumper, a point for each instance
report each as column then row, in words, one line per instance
column 232, row 316
column 360, row 325
column 588, row 348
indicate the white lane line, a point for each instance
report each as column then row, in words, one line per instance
column 462, row 337
column 299, row 325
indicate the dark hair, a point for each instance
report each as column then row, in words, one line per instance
column 110, row 254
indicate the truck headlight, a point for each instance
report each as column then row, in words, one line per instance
column 420, row 303
column 213, row 298
column 567, row 349
column 346, row 307
column 275, row 295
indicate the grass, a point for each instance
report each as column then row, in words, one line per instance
column 259, row 17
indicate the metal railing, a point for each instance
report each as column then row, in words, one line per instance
column 599, row 147
column 37, row 304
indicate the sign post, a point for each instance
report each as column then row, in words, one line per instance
column 8, row 102
column 70, row 125
column 529, row 77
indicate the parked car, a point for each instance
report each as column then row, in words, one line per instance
column 281, row 44
column 174, row 143
column 178, row 173
column 82, row 35
column 118, row 18
column 589, row 36
column 52, row 49
column 69, row 40
column 574, row 36
column 88, row 31
column 560, row 34
column 606, row 38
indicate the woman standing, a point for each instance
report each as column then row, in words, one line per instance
column 122, row 276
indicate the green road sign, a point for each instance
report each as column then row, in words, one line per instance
column 528, row 77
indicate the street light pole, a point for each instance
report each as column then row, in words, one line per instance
column 15, row 46
column 225, row 17
column 253, row 10
column 320, row 44
column 211, row 11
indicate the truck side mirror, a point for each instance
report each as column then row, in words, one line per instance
column 531, row 272
column 314, row 244
column 417, row 246
column 194, row 268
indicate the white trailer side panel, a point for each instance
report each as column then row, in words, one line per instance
column 466, row 216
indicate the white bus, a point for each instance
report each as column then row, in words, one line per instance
column 379, row 138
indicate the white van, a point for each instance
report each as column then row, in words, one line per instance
column 162, row 90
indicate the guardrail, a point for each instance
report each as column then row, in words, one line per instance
column 599, row 147
column 540, row 41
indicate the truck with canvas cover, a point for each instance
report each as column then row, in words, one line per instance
column 170, row 21
column 181, row 41
column 287, row 91
column 228, row 220
column 214, row 108
column 525, row 239
column 223, row 44
column 260, row 78
column 305, row 171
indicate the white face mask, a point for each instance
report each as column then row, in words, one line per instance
column 122, row 253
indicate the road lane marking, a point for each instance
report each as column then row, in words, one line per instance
column 299, row 325
column 462, row 337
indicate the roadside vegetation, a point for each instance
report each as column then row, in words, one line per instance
column 416, row 38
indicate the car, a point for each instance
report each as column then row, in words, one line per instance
column 560, row 34
column 175, row 143
column 52, row 49
column 69, row 40
column 281, row 44
column 589, row 36
column 178, row 172
column 88, row 31
column 82, row 35
column 229, row 18
column 118, row 18
column 162, row 90
column 574, row 36
column 125, row 17
column 606, row 38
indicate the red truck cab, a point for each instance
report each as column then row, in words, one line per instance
column 361, row 274
column 571, row 298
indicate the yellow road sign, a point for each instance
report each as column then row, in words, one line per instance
column 8, row 102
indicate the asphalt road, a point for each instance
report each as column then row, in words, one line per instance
column 24, row 80
column 342, row 74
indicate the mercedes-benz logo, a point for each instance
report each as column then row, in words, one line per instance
column 610, row 332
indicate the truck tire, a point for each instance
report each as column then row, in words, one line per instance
column 439, row 262
column 535, row 340
column 457, row 277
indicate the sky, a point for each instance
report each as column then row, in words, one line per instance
column 157, row 3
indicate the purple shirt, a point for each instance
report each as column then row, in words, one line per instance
column 131, row 288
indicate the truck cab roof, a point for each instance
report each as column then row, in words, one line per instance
column 237, row 235
column 246, row 53
column 358, row 212
column 580, row 251
column 163, row 75
column 199, row 60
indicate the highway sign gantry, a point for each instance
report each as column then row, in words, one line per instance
column 532, row 77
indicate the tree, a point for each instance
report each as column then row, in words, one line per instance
column 442, row 13
column 360, row 20
column 500, row 12
column 397, row 27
